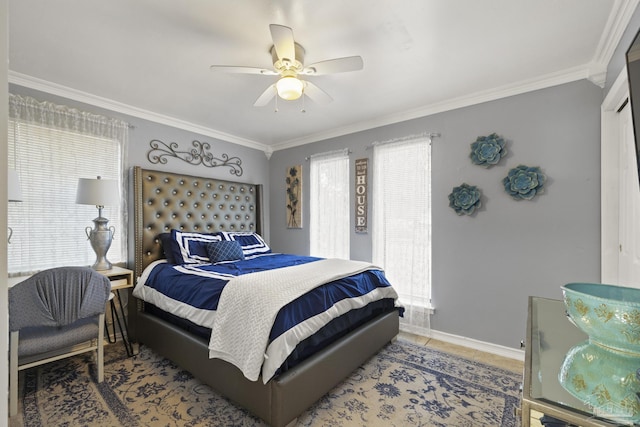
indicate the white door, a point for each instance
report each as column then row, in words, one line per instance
column 629, row 204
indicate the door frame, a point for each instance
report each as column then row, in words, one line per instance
column 610, row 142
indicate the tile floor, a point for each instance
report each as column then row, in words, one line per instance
column 472, row 354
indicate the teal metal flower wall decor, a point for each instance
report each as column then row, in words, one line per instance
column 465, row 199
column 524, row 182
column 487, row 150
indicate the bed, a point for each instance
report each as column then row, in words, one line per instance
column 165, row 201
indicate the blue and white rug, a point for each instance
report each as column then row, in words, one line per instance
column 403, row 385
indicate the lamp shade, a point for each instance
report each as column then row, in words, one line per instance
column 13, row 189
column 289, row 88
column 97, row 192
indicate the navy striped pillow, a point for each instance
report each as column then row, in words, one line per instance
column 252, row 243
column 191, row 247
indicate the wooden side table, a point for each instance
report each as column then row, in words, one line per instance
column 120, row 278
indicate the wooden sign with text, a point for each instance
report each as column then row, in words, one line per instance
column 361, row 195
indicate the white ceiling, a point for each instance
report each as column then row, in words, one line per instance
column 151, row 58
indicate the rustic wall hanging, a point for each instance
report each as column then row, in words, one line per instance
column 294, row 197
column 362, row 187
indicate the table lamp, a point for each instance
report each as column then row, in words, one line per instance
column 99, row 192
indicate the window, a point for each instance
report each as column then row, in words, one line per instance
column 329, row 205
column 402, row 224
column 51, row 146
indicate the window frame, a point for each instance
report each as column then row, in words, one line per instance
column 329, row 229
column 50, row 155
column 396, row 166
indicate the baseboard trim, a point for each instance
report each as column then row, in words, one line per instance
column 487, row 347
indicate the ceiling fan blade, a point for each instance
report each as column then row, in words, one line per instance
column 242, row 70
column 338, row 65
column 316, row 94
column 283, row 42
column 266, row 96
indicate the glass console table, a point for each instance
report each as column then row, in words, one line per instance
column 550, row 335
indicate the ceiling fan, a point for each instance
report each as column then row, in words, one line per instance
column 288, row 63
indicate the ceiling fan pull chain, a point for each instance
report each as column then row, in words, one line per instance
column 304, row 96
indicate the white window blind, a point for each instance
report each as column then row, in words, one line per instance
column 402, row 224
column 329, row 205
column 50, row 149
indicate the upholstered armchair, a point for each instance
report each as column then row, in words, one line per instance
column 54, row 314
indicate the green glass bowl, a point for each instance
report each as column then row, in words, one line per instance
column 606, row 380
column 608, row 314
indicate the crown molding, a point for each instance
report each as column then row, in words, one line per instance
column 613, row 31
column 589, row 71
column 593, row 72
column 109, row 104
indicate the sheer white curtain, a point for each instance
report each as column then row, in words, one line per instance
column 402, row 224
column 329, row 205
column 51, row 146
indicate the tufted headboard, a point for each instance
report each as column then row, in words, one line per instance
column 165, row 200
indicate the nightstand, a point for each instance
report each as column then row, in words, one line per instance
column 120, row 278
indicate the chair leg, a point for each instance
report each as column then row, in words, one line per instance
column 100, row 349
column 13, row 374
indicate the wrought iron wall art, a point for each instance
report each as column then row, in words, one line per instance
column 524, row 182
column 487, row 150
column 465, row 199
column 199, row 155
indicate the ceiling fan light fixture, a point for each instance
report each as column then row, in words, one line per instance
column 289, row 88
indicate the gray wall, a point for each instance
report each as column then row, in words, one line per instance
column 485, row 266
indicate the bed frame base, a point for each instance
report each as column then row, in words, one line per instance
column 284, row 398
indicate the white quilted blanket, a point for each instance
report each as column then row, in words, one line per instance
column 250, row 303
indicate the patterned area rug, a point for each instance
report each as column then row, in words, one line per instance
column 403, row 385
